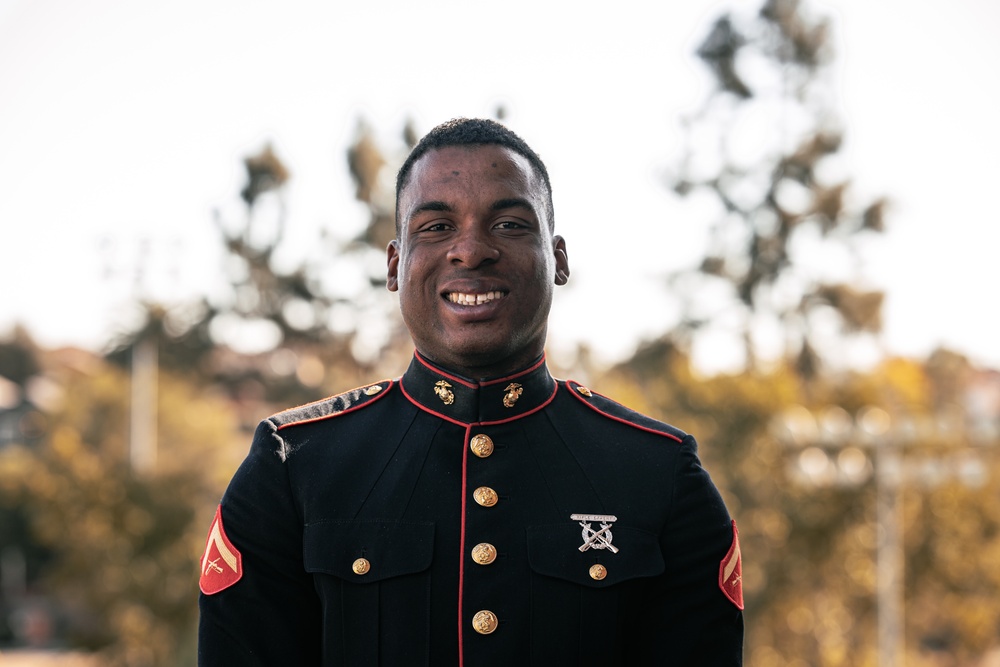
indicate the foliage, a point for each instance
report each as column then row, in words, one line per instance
column 118, row 549
column 763, row 149
column 810, row 549
column 123, row 546
column 284, row 331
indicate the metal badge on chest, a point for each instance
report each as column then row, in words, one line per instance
column 596, row 539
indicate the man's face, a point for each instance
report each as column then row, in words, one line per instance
column 475, row 261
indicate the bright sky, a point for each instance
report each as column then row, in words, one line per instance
column 124, row 123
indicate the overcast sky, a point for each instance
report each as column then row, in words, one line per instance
column 125, row 122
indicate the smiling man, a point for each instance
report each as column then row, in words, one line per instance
column 475, row 511
column 475, row 260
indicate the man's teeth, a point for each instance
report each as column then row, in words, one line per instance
column 473, row 299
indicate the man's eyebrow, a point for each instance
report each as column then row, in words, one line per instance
column 431, row 206
column 499, row 205
column 512, row 202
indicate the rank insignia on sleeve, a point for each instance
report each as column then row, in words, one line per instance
column 731, row 572
column 222, row 564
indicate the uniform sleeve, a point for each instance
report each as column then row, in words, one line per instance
column 271, row 614
column 688, row 621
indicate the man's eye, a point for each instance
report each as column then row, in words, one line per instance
column 509, row 224
column 437, row 227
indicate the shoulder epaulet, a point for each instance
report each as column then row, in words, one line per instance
column 619, row 413
column 349, row 401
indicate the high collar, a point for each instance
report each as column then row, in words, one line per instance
column 466, row 401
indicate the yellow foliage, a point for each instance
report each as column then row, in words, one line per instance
column 126, row 544
column 810, row 552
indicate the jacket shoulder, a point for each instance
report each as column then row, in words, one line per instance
column 334, row 406
column 616, row 412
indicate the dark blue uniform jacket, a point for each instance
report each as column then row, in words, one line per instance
column 433, row 520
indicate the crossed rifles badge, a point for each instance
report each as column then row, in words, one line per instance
column 596, row 539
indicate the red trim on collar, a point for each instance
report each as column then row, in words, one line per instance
column 435, row 369
column 495, row 422
column 532, row 411
column 515, row 376
column 423, row 407
column 473, row 384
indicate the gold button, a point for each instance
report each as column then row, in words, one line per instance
column 481, row 445
column 598, row 572
column 485, row 496
column 485, row 622
column 583, row 390
column 361, row 566
column 484, row 553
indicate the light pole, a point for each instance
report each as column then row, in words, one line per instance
column 142, row 265
column 833, row 448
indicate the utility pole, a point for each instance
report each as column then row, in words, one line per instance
column 144, row 377
column 830, row 450
column 143, row 412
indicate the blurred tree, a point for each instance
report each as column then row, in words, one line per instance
column 22, row 557
column 763, row 147
column 286, row 331
column 810, row 538
column 123, row 548
column 782, row 263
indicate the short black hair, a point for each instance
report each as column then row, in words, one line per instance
column 473, row 132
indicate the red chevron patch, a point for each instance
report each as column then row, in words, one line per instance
column 731, row 572
column 222, row 564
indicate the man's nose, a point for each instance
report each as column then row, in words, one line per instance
column 473, row 247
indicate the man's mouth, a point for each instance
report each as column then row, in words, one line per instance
column 464, row 299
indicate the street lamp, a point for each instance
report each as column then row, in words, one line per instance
column 830, row 447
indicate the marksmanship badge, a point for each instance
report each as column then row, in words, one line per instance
column 596, row 539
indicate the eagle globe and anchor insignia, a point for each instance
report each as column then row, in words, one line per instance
column 444, row 392
column 514, row 391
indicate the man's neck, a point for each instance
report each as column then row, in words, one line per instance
column 485, row 372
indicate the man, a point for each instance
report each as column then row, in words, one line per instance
column 474, row 511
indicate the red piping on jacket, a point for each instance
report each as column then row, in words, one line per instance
column 336, row 414
column 614, row 418
column 474, row 385
column 461, row 549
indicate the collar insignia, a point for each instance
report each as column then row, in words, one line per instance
column 514, row 391
column 443, row 391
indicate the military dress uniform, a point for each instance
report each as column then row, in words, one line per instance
column 436, row 520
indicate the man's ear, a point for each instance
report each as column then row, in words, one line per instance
column 562, row 260
column 392, row 266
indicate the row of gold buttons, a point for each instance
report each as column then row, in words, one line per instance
column 484, row 553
